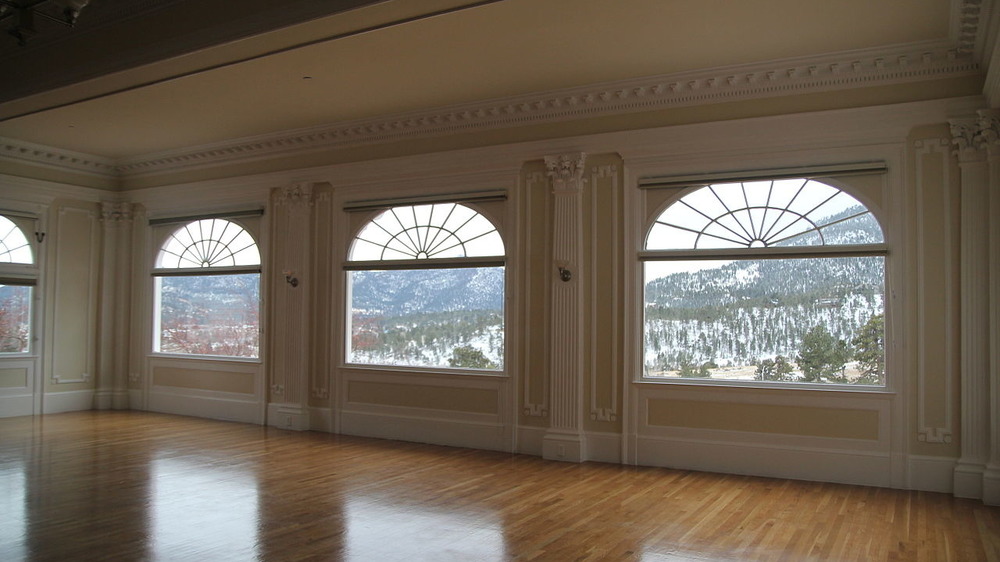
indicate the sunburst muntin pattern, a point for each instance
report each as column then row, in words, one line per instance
column 443, row 230
column 14, row 246
column 208, row 243
column 779, row 213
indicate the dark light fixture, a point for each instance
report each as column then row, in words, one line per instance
column 22, row 15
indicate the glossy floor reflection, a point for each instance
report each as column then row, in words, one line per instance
column 139, row 486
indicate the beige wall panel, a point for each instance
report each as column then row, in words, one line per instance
column 475, row 400
column 13, row 378
column 933, row 285
column 76, row 241
column 536, row 278
column 841, row 423
column 604, row 302
column 201, row 379
column 322, row 292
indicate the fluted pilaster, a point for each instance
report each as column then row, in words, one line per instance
column 290, row 352
column 115, row 299
column 971, row 140
column 989, row 124
column 564, row 440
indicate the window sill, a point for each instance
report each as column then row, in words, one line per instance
column 799, row 387
column 437, row 371
column 212, row 358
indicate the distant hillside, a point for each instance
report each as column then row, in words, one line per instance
column 755, row 309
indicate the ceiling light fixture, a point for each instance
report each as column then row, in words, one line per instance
column 23, row 13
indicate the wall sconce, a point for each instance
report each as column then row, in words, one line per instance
column 564, row 273
column 290, row 278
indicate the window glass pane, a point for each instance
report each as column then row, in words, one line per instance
column 428, row 318
column 812, row 320
column 209, row 315
column 15, row 318
column 14, row 247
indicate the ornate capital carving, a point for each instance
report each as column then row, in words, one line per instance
column 965, row 138
column 566, row 171
column 972, row 136
column 295, row 194
column 116, row 212
column 988, row 122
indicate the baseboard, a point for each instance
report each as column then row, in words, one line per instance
column 968, row 479
column 455, row 433
column 599, row 447
column 12, row 406
column 864, row 468
column 103, row 399
column 991, row 485
column 288, row 416
column 216, row 408
column 135, row 399
column 71, row 401
column 931, row 474
column 529, row 440
column 604, row 447
column 321, row 419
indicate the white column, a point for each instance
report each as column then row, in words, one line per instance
column 975, row 293
column 989, row 125
column 115, row 300
column 288, row 332
column 564, row 438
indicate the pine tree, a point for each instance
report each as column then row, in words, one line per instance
column 869, row 345
column 777, row 369
column 822, row 357
column 469, row 357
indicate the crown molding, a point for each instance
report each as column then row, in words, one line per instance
column 865, row 68
column 805, row 75
column 49, row 157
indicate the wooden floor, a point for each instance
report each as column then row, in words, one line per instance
column 139, row 486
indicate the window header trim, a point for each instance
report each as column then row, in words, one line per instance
column 860, row 250
column 806, row 172
column 467, row 197
column 217, row 270
column 437, row 263
column 193, row 218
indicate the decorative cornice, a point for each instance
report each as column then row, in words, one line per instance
column 969, row 12
column 36, row 154
column 865, row 68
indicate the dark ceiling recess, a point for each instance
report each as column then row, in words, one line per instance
column 116, row 35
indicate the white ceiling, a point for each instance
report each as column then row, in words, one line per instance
column 484, row 52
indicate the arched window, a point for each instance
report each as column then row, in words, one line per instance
column 777, row 281
column 207, row 276
column 427, row 289
column 17, row 279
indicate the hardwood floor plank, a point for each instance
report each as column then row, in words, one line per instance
column 142, row 486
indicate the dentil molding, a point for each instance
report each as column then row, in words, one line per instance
column 807, row 75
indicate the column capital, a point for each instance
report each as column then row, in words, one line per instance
column 966, row 138
column 294, row 194
column 566, row 171
column 116, row 212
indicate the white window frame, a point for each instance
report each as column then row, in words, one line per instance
column 24, row 274
column 376, row 208
column 166, row 228
column 684, row 185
